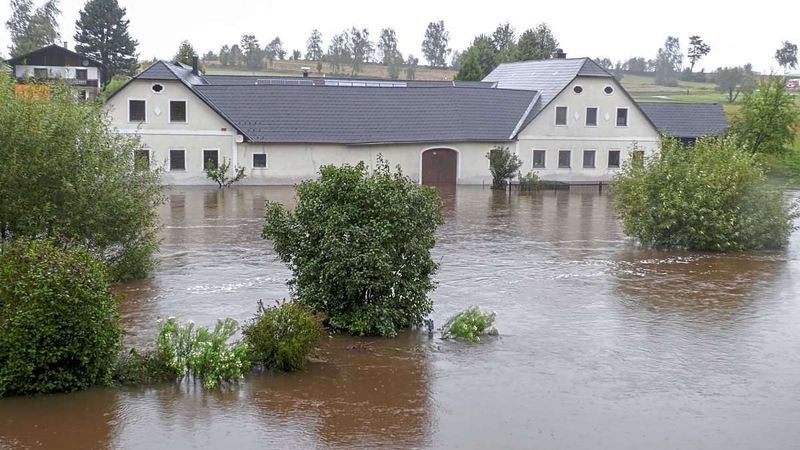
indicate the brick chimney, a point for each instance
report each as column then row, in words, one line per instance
column 559, row 54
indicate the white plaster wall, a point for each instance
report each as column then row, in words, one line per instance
column 24, row 71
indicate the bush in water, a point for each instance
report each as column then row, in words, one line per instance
column 503, row 165
column 469, row 325
column 359, row 245
column 143, row 367
column 203, row 354
column 283, row 336
column 59, row 324
column 710, row 196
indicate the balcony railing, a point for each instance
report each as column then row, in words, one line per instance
column 73, row 81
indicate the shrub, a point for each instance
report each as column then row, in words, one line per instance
column 205, row 355
column 503, row 165
column 59, row 324
column 359, row 247
column 767, row 121
column 711, row 196
column 529, row 182
column 219, row 173
column 469, row 325
column 145, row 367
column 283, row 336
column 66, row 173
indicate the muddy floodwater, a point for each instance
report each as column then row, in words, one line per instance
column 602, row 346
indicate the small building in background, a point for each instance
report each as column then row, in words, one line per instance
column 54, row 63
column 793, row 83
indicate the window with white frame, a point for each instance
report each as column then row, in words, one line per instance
column 591, row 116
column 613, row 159
column 588, row 159
column 561, row 116
column 564, row 159
column 622, row 117
column 539, row 159
column 210, row 159
column 177, row 111
column 137, row 111
column 177, row 159
column 259, row 161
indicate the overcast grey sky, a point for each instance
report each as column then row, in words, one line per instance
column 618, row 30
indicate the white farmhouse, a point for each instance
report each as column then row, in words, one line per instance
column 568, row 120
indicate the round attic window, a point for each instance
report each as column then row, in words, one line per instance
column 577, row 89
column 608, row 90
column 157, row 88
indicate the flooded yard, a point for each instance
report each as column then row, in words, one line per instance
column 602, row 345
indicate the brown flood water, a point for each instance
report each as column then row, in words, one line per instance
column 602, row 346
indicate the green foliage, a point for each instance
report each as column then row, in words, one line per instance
column 59, row 324
column 529, row 182
column 469, row 325
column 536, row 43
column 411, row 67
column 697, row 50
column 314, row 46
column 768, row 118
column 359, row 246
column 31, row 29
column 186, row 54
column 787, row 55
column 283, row 336
column 711, row 196
column 205, row 355
column 735, row 80
column 503, row 165
column 116, row 83
column 435, row 45
column 669, row 60
column 67, row 174
column 143, row 367
column 219, row 173
column 102, row 34
column 478, row 60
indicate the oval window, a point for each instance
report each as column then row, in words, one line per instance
column 577, row 89
column 608, row 90
column 157, row 88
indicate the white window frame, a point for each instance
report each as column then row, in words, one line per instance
column 613, row 90
column 586, row 117
column 169, row 109
column 583, row 159
column 608, row 159
column 253, row 161
column 163, row 88
column 129, row 110
column 555, row 115
column 169, row 159
column 627, row 118
column 203, row 157
column 558, row 161
column 533, row 158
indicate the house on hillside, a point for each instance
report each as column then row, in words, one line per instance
column 568, row 120
column 55, row 62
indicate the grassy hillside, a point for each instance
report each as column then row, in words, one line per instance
column 294, row 68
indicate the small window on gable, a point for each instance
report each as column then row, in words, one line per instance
column 539, row 157
column 177, row 159
column 577, row 89
column 157, row 88
column 259, row 160
column 564, row 157
column 137, row 111
column 622, row 117
column 561, row 115
column 608, row 90
column 210, row 159
column 591, row 116
column 177, row 111
column 613, row 159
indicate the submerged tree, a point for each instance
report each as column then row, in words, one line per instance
column 358, row 244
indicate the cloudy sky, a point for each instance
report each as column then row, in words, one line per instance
column 617, row 30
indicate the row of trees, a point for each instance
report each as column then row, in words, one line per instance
column 101, row 32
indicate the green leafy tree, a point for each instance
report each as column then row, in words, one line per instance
column 732, row 81
column 282, row 337
column 503, row 165
column 252, row 53
column 358, row 244
column 225, row 55
column 712, row 196
column 275, row 50
column 411, row 67
column 102, row 34
column 32, row 29
column 697, row 50
column 219, row 173
column 536, row 43
column 297, row 55
column 435, row 45
column 768, row 118
column 314, row 50
column 59, row 324
column 504, row 43
column 455, row 61
column 787, row 55
column 339, row 51
column 185, row 53
column 68, row 175
column 478, row 60
column 361, row 47
column 387, row 46
column 637, row 65
column 237, row 57
column 669, row 60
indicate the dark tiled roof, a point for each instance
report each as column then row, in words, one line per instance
column 686, row 120
column 321, row 81
column 364, row 115
column 158, row 71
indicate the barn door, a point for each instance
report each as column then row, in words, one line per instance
column 439, row 166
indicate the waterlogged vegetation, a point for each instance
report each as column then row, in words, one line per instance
column 282, row 337
column 469, row 325
column 218, row 173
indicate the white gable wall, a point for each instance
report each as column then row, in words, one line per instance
column 543, row 134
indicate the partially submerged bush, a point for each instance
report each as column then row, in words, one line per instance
column 219, row 173
column 59, row 324
column 203, row 354
column 469, row 325
column 143, row 367
column 529, row 182
column 503, row 165
column 67, row 173
column 359, row 247
column 282, row 337
column 711, row 196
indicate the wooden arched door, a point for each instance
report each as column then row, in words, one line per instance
column 439, row 166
